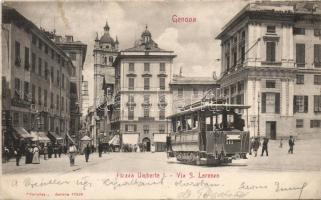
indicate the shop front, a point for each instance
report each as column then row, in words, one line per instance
column 130, row 142
column 160, row 142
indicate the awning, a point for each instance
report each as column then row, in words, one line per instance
column 115, row 140
column 85, row 138
column 22, row 133
column 39, row 136
column 55, row 136
column 160, row 137
column 130, row 138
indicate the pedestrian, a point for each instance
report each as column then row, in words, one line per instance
column 256, row 146
column 45, row 152
column 87, row 151
column 59, row 150
column 281, row 143
column 17, row 153
column 291, row 144
column 72, row 153
column 50, row 150
column 100, row 149
column 35, row 158
column 29, row 154
column 265, row 146
column 55, row 148
column 6, row 154
column 251, row 144
column 92, row 148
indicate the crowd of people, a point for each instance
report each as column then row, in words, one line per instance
column 32, row 152
column 255, row 144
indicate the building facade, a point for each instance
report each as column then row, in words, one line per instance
column 143, row 95
column 105, row 52
column 188, row 90
column 270, row 53
column 35, row 81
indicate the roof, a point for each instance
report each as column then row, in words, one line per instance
column 193, row 80
column 106, row 38
column 278, row 9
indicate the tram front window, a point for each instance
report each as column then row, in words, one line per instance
column 230, row 121
column 209, row 124
column 195, row 121
column 189, row 123
column 178, row 125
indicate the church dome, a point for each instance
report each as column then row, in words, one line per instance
column 105, row 38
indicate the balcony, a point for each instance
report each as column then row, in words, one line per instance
column 22, row 103
column 131, row 74
column 162, row 74
column 146, row 74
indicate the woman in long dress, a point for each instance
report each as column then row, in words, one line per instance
column 35, row 159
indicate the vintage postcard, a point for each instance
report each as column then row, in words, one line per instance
column 146, row 99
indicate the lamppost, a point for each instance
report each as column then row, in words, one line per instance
column 258, row 115
column 253, row 122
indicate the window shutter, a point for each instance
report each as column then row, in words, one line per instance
column 263, row 102
column 277, row 102
column 126, row 127
column 294, row 104
column 306, row 104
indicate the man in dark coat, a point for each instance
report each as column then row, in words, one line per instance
column 87, row 152
column 256, row 145
column 50, row 150
column 59, row 150
column 291, row 144
column 100, row 149
column 265, row 146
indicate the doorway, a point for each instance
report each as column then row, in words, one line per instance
column 270, row 130
column 146, row 144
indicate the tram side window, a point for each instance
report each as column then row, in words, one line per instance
column 189, row 123
column 230, row 121
column 184, row 123
column 209, row 124
column 220, row 121
column 174, row 125
column 195, row 121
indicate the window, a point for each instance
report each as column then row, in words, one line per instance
column 111, row 59
column 46, row 71
column 270, row 29
column 25, row 119
column 300, row 55
column 58, row 77
column 146, row 129
column 146, row 67
column 317, row 103
column 317, row 79
column 195, row 92
column 299, row 79
column 195, row 121
column 315, row 123
column 162, row 67
column 130, row 127
column 270, row 51
column 240, row 86
column 298, row 31
column 131, row 67
column 52, row 74
column 33, row 91
column 46, row 49
column 180, row 92
column 242, row 46
column 34, row 39
column 131, row 98
column 161, row 128
column 317, row 32
column 27, row 64
column 51, row 100
column 300, row 104
column 162, row 83
column 17, row 88
column 131, row 83
column 39, row 96
column 317, row 55
column 299, row 123
column 189, row 123
column 162, row 114
column 63, row 80
column 45, row 97
column 227, row 56
column 39, row 66
column 146, row 99
column 40, row 44
column 33, row 62
column 52, row 54
column 57, row 102
column 234, row 53
column 270, row 102
column 26, row 91
column 16, row 119
column 270, row 84
column 233, row 89
column 105, row 60
column 146, row 111
column 17, row 54
column 62, row 103
column 131, row 110
column 146, row 84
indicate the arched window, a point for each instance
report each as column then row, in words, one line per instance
column 111, row 59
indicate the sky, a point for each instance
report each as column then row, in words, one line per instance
column 198, row 53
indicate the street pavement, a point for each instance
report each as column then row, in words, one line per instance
column 306, row 157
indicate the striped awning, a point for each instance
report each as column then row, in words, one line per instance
column 22, row 133
column 39, row 136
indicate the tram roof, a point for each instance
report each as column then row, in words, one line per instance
column 209, row 108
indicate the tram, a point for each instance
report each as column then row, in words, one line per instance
column 208, row 133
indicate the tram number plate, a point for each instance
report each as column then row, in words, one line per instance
column 233, row 137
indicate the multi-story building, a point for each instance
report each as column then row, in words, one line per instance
column 187, row 90
column 35, row 80
column 85, row 98
column 105, row 52
column 271, row 54
column 143, row 74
